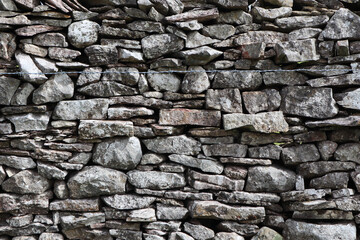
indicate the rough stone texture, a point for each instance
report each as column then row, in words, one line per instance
column 7, row 45
column 30, row 121
column 81, row 109
column 155, row 180
column 30, row 71
column 296, row 51
column 176, row 144
column 300, row 154
column 83, row 34
column 89, row 129
column 26, row 182
column 205, row 165
column 190, row 117
column 227, row 100
column 128, row 201
column 8, row 87
column 241, row 80
column 101, row 55
column 157, row 45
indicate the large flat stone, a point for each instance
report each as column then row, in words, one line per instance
column 205, row 165
column 317, row 169
column 155, row 46
column 89, row 129
column 30, row 121
column 299, row 154
column 155, row 180
column 296, row 51
column 349, row 99
column 183, row 116
column 81, row 109
column 128, row 201
column 297, row 22
column 174, row 144
column 31, row 72
column 241, row 80
column 26, row 182
column 227, row 100
column 8, row 87
column 24, row 204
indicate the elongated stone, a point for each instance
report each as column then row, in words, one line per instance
column 299, row 154
column 81, row 109
column 257, row 199
column 24, row 204
column 206, row 165
column 155, row 180
column 297, row 51
column 26, row 182
column 241, row 80
column 157, row 45
column 31, row 72
column 174, row 144
column 75, row 205
column 128, row 201
column 30, row 121
column 316, row 169
column 349, row 99
column 189, row 116
column 301, row 21
column 89, row 129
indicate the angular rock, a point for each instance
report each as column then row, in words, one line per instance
column 301, row 21
column 284, row 78
column 257, row 199
column 107, row 89
column 168, row 212
column 89, row 129
column 30, row 121
column 75, row 205
column 351, row 121
column 308, row 102
column 191, row 117
column 349, row 99
column 341, row 25
column 228, row 236
column 201, row 181
column 246, row 161
column 122, row 153
column 299, row 230
column 336, row 180
column 269, row 151
column 189, row 25
column 128, row 201
column 268, row 37
column 155, row 180
column 198, row 231
column 227, row 100
column 102, row 54
column 164, row 82
column 305, row 195
column 32, row 229
column 200, row 56
column 83, row 33
column 268, row 122
column 235, row 17
column 327, row 149
column 205, row 165
column 94, row 181
column 157, row 45
column 33, row 49
column 258, row 101
column 146, row 26
column 46, row 65
column 179, row 236
column 261, row 14
column 26, row 182
column 270, row 179
column 126, row 113
column 81, row 109
column 63, row 54
column 8, row 5
column 219, row 31
column 348, row 152
column 22, row 94
column 200, row 15
column 216, row 210
column 300, row 154
column 316, row 169
column 8, row 87
column 7, row 46
column 241, row 80
column 297, row 51
column 174, row 144
column 81, row 220
column 50, row 40
column 133, row 56
column 30, row 31
column 51, row 236
column 124, row 75
column 304, row 33
column 142, row 215
column 24, row 204
column 51, row 172
column 225, row 150
column 57, row 88
column 195, row 39
column 323, row 214
column 31, row 72
column 195, row 82
column 246, row 230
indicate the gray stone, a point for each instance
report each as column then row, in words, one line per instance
column 235, row 17
column 302, row 22
column 201, row 181
column 132, row 56
column 305, row 195
column 219, row 31
column 128, row 201
column 179, row 236
column 241, row 80
column 126, row 113
column 155, row 180
column 26, row 182
column 268, row 37
column 27, row 66
column 297, row 51
column 262, row 14
column 89, row 129
column 157, row 45
column 258, row 101
column 226, row 100
column 152, row 158
column 284, row 78
column 7, row 45
column 57, row 88
column 122, row 153
column 351, row 121
column 124, row 75
column 299, row 230
column 174, row 144
column 308, row 102
column 81, row 109
column 198, row 231
column 45, row 65
column 60, row 190
column 164, row 82
column 327, row 149
column 336, row 180
column 205, row 165
column 32, row 229
column 235, row 172
column 50, row 40
column 200, row 56
column 20, row 221
column 216, row 210
column 200, row 15
column 33, row 49
column 5, row 128
column 348, row 152
column 75, row 205
column 341, row 25
column 300, row 154
column 22, row 94
column 8, row 87
column 323, row 214
column 195, row 39
column 228, row 236
column 195, row 82
column 257, row 199
column 253, row 50
column 230, row 4
column 102, row 54
column 246, row 161
column 270, row 179
column 83, row 33
column 268, row 122
column 146, row 26
column 190, row 25
column 142, row 215
column 30, row 121
column 63, row 54
column 107, row 89
column 94, row 181
column 8, row 5
column 182, row 116
column 317, row 169
column 269, row 151
column 51, row 172
column 81, row 220
column 226, row 150
column 349, row 99
column 51, row 236
column 168, row 212
column 89, row 75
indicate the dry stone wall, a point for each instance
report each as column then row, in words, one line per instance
column 179, row 119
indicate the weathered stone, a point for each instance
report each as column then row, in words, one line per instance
column 302, row 21
column 253, row 50
column 94, row 181
column 124, row 75
column 296, row 51
column 270, row 179
column 255, row 139
column 323, row 214
column 228, row 236
column 195, row 39
column 284, row 78
column 57, row 88
column 308, row 102
column 268, row 37
column 198, row 231
column 26, row 182
column 200, row 15
column 8, row 5
column 155, row 180
column 348, row 152
column 128, row 201
column 241, row 80
column 102, row 54
column 202, row 181
column 22, row 94
column 81, row 109
column 142, row 215
column 305, row 195
column 168, row 212
column 27, row 4
column 51, row 155
column 33, row 49
column 31, row 72
column 257, row 199
column 32, row 229
column 235, row 17
column 83, row 34
column 146, row 26
column 262, row 122
column 246, row 230
column 316, row 169
column 164, row 82
column 7, row 46
column 63, row 54
column 51, row 236
column 195, row 82
column 30, row 121
column 179, row 236
column 122, row 153
column 89, row 129
column 126, row 113
column 269, row 151
column 81, row 220
column 349, row 99
column 227, row 100
column 188, row 116
column 205, row 165
column 107, row 89
column 60, row 190
column 24, row 204
column 226, row 150
column 219, row 31
column 216, row 210
column 298, row 230
column 337, row 180
column 51, row 172
column 45, row 65
column 327, row 149
column 174, row 144
column 132, row 56
column 30, row 31
column 261, row 14
column 77, row 205
column 235, row 172
column 200, row 56
column 193, row 25
column 8, row 87
column 157, row 45
column 50, row 40
column 299, row 154
column 246, row 161
column 16, row 20
column 20, row 221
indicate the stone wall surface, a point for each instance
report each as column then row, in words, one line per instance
column 140, row 119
